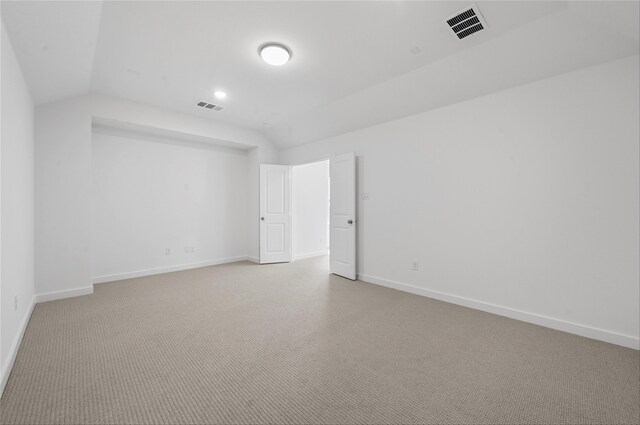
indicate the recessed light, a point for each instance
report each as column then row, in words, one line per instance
column 275, row 54
column 220, row 94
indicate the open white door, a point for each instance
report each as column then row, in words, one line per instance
column 343, row 215
column 275, row 213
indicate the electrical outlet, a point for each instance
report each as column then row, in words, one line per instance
column 415, row 266
column 365, row 196
column 15, row 303
column 167, row 251
column 191, row 249
column 186, row 187
column 186, row 249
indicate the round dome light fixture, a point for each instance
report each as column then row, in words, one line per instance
column 220, row 94
column 275, row 54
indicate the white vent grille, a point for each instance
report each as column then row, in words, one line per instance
column 210, row 106
column 466, row 22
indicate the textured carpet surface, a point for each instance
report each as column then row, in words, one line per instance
column 243, row 343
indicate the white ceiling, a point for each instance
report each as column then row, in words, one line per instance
column 354, row 64
column 55, row 44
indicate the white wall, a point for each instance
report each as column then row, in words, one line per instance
column 310, row 195
column 261, row 151
column 16, row 211
column 63, row 179
column 62, row 196
column 150, row 195
column 523, row 202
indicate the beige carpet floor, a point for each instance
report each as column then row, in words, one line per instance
column 288, row 343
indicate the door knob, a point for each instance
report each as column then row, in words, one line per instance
column 350, row 221
column 262, row 218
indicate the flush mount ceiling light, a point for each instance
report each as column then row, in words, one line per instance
column 275, row 54
column 219, row 94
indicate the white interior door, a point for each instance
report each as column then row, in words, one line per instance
column 275, row 213
column 343, row 215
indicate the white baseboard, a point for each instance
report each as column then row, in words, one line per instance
column 310, row 255
column 549, row 322
column 160, row 270
column 253, row 259
column 67, row 293
column 13, row 352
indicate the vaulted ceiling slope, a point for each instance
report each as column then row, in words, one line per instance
column 354, row 64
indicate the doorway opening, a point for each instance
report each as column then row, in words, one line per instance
column 299, row 220
column 310, row 210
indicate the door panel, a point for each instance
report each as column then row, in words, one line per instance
column 343, row 215
column 275, row 213
column 275, row 191
column 275, row 238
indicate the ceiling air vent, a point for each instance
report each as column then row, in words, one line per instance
column 466, row 22
column 211, row 106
